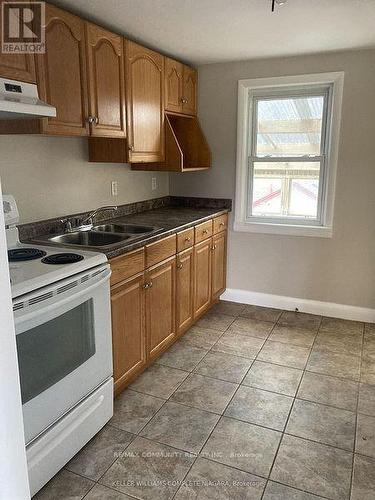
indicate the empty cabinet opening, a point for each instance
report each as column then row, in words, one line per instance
column 187, row 141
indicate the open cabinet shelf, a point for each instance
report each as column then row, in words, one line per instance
column 186, row 148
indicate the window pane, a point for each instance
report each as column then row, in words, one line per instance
column 290, row 126
column 285, row 189
column 304, row 197
column 267, row 196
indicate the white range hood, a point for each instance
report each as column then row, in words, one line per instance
column 20, row 100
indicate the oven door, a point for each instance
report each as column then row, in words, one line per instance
column 64, row 346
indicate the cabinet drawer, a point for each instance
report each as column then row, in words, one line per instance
column 160, row 250
column 185, row 239
column 128, row 265
column 220, row 223
column 203, row 231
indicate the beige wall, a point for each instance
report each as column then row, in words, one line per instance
column 341, row 269
column 50, row 176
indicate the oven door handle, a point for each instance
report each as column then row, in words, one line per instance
column 61, row 302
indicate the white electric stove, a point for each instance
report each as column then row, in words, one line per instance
column 61, row 307
column 28, row 271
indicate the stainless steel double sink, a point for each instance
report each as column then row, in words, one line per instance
column 104, row 235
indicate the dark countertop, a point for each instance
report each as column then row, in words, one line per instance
column 172, row 219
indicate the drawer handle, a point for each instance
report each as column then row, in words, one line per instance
column 187, row 239
column 180, row 266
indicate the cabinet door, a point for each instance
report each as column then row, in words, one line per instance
column 62, row 73
column 219, row 261
column 173, row 85
column 128, row 330
column 185, row 290
column 16, row 66
column 189, row 92
column 160, row 306
column 105, row 61
column 202, row 277
column 145, row 103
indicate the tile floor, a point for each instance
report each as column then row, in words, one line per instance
column 252, row 403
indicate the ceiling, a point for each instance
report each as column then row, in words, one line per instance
column 209, row 31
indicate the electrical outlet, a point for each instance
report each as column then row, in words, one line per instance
column 154, row 183
column 114, row 188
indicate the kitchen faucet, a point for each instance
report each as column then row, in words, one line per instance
column 71, row 223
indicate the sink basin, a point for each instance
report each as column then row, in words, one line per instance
column 89, row 238
column 125, row 228
column 103, row 235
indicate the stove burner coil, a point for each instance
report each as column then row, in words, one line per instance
column 62, row 258
column 21, row 254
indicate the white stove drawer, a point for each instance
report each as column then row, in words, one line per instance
column 52, row 450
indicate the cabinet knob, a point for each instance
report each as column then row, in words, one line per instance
column 93, row 120
column 150, row 284
column 146, row 285
column 131, row 148
column 187, row 239
column 180, row 266
column 205, row 231
column 222, row 223
column 184, row 100
column 213, row 247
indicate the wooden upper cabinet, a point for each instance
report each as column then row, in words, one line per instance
column 144, row 72
column 16, row 66
column 173, row 85
column 105, row 66
column 180, row 88
column 61, row 73
column 189, row 92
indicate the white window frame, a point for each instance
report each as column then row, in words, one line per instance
column 323, row 227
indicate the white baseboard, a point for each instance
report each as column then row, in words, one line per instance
column 331, row 309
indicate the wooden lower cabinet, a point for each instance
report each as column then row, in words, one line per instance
column 202, row 277
column 128, row 330
column 160, row 306
column 219, row 264
column 153, row 308
column 185, row 290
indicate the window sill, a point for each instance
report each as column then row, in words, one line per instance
column 283, row 229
